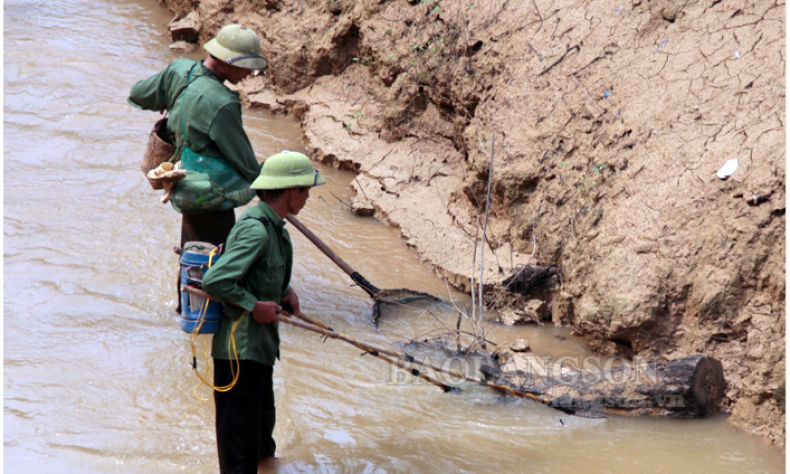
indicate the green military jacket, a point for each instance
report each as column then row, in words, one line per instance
column 255, row 266
column 212, row 113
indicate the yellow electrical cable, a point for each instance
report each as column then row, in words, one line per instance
column 235, row 371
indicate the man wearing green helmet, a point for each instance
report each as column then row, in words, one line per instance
column 211, row 120
column 254, row 273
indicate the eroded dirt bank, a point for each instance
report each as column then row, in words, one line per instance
column 607, row 121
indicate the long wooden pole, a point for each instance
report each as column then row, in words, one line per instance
column 320, row 244
column 369, row 288
column 316, row 326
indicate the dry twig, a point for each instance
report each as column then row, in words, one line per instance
column 481, row 305
column 341, row 201
column 585, row 92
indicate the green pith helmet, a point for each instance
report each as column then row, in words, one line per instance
column 288, row 169
column 237, row 45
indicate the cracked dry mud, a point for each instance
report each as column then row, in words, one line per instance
column 608, row 122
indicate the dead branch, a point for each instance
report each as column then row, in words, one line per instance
column 472, row 278
column 485, row 227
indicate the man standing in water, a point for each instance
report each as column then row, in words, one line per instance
column 211, row 115
column 254, row 273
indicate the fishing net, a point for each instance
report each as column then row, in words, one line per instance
column 400, row 296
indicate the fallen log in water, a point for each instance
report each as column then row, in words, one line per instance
column 690, row 387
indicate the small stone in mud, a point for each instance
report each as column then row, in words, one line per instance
column 509, row 317
column 520, row 345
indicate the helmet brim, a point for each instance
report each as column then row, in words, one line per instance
column 288, row 180
column 222, row 53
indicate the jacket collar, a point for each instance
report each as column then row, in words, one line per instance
column 204, row 71
column 270, row 214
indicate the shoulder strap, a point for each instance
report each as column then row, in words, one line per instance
column 184, row 99
column 265, row 221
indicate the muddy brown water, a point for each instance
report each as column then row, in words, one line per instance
column 96, row 370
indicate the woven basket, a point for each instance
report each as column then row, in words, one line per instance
column 160, row 149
